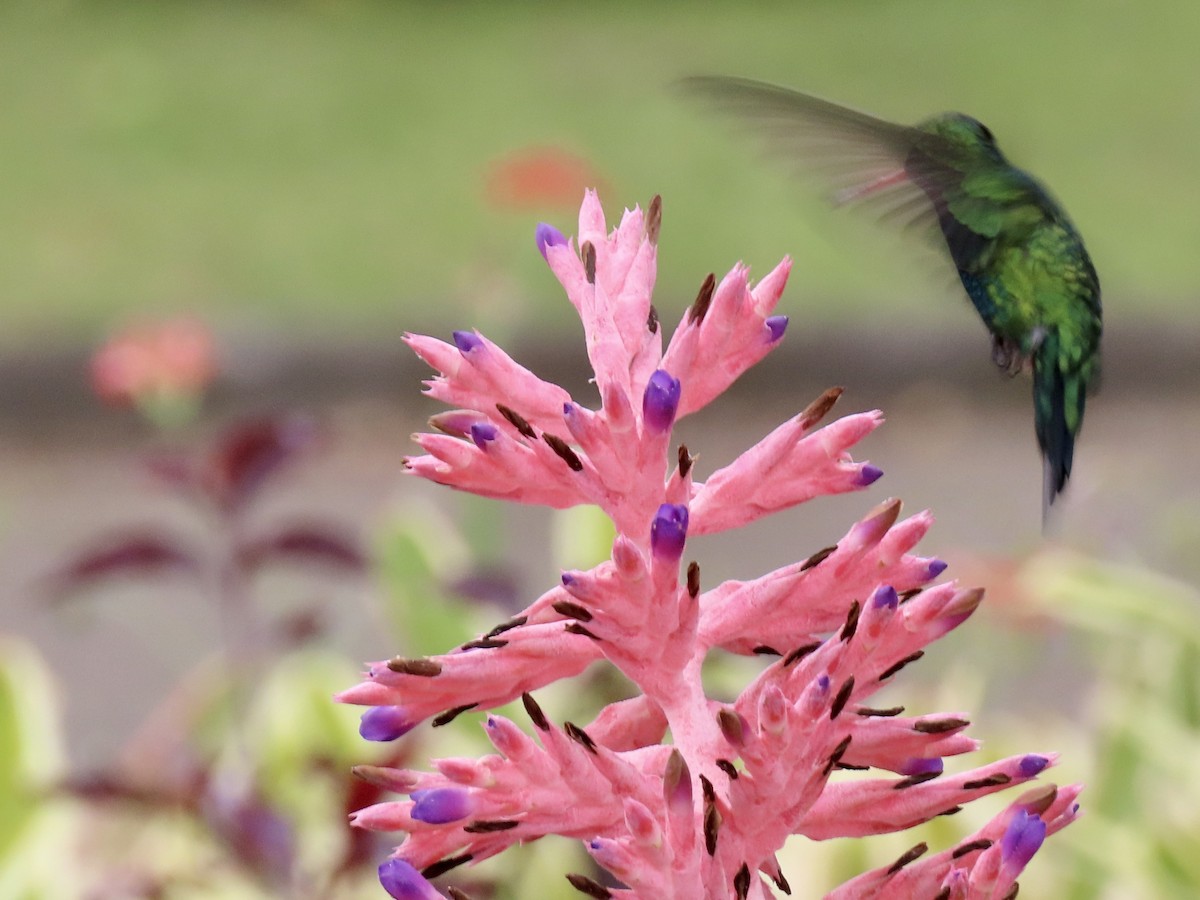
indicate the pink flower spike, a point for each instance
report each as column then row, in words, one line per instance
column 678, row 793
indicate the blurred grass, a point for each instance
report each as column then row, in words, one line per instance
column 320, row 165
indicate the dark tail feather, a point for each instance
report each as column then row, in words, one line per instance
column 1053, row 392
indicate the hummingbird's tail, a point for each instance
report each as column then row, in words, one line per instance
column 1058, row 397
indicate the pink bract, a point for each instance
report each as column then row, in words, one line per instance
column 703, row 815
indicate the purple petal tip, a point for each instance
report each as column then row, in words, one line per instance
column 402, row 881
column 548, row 236
column 923, row 765
column 668, row 532
column 777, row 325
column 661, row 400
column 437, row 806
column 466, row 341
column 1032, row 764
column 886, row 596
column 934, row 568
column 384, row 723
column 483, row 433
column 1021, row 840
column 869, row 474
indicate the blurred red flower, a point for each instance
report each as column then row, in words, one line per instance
column 147, row 366
column 539, row 177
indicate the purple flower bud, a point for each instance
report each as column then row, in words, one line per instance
column 547, row 236
column 923, row 765
column 466, row 341
column 437, row 806
column 1031, row 765
column 868, row 474
column 1021, row 840
column 483, row 433
column 669, row 531
column 384, row 723
column 777, row 325
column 402, row 881
column 660, row 401
column 885, row 595
column 934, row 568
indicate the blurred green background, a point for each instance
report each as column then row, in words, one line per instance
column 323, row 166
column 313, row 179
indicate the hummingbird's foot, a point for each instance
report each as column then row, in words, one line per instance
column 1007, row 355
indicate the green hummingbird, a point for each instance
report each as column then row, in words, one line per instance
column 1021, row 261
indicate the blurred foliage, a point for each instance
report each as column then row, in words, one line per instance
column 277, row 770
column 331, row 166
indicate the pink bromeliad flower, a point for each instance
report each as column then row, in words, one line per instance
column 703, row 815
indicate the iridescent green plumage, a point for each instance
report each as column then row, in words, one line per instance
column 1020, row 259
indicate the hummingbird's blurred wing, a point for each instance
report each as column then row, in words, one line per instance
column 858, row 157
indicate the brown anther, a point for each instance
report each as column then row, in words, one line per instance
column 817, row 558
column 685, row 461
column 515, row 622
column 881, row 713
column 587, row 887
column 728, row 768
column 939, row 726
column 589, row 261
column 799, row 653
column 536, row 716
column 485, row 643
column 693, row 579
column 913, row 780
column 991, row 781
column 422, row 667
column 654, row 218
column 963, row 849
column 451, row 714
column 517, row 420
column 913, row 853
column 741, row 882
column 576, row 628
column 579, row 736
column 781, row 883
column 897, row 666
column 488, row 826
column 652, row 320
column 571, row 610
column 703, row 300
column 764, row 650
column 563, row 451
column 712, row 827
column 442, row 866
column 816, row 411
column 842, row 698
column 851, row 625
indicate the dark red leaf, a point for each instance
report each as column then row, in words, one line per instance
column 131, row 555
column 305, row 544
column 251, row 453
column 362, row 845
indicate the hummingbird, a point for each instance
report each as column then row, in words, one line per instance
column 1021, row 261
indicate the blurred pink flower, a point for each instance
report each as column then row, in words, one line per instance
column 703, row 815
column 152, row 366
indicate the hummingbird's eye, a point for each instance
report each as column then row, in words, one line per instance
column 986, row 133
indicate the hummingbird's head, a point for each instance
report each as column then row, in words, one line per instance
column 962, row 133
